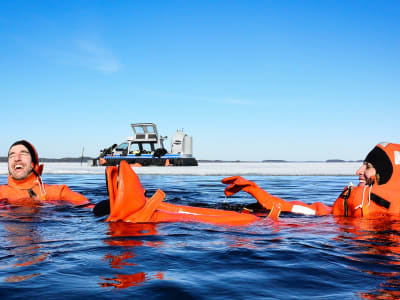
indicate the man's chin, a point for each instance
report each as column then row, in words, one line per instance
column 361, row 183
column 19, row 175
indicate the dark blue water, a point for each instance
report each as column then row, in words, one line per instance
column 67, row 253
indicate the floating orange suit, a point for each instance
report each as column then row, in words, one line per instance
column 381, row 196
column 128, row 203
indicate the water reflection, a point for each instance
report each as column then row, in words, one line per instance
column 123, row 281
column 376, row 244
column 22, row 237
column 368, row 246
column 120, row 233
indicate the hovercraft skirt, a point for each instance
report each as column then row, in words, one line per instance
column 154, row 161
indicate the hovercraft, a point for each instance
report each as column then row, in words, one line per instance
column 146, row 148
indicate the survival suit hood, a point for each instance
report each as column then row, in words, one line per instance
column 385, row 191
column 385, row 158
column 37, row 169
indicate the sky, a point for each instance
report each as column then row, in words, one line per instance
column 248, row 80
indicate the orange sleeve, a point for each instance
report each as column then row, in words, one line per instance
column 268, row 201
column 64, row 193
column 2, row 192
column 12, row 193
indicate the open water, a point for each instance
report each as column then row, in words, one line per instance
column 60, row 252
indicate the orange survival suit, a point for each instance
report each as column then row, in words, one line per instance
column 128, row 203
column 33, row 190
column 380, row 197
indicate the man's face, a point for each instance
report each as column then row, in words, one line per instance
column 19, row 162
column 365, row 172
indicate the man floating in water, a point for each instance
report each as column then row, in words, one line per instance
column 377, row 194
column 25, row 183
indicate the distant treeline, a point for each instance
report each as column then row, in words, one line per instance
column 218, row 161
column 341, row 160
column 65, row 159
column 273, row 161
column 86, row 158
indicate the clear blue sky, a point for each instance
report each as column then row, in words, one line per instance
column 293, row 80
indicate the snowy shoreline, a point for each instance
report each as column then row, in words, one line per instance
column 209, row 169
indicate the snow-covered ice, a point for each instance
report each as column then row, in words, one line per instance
column 217, row 168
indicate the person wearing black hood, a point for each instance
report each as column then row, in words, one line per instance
column 377, row 194
column 25, row 181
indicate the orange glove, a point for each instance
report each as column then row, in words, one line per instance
column 238, row 183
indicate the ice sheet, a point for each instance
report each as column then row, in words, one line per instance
column 220, row 168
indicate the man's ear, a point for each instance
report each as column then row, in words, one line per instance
column 38, row 169
column 372, row 180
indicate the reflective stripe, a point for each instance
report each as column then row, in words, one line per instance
column 397, row 157
column 384, row 144
column 380, row 201
column 187, row 212
column 298, row 209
